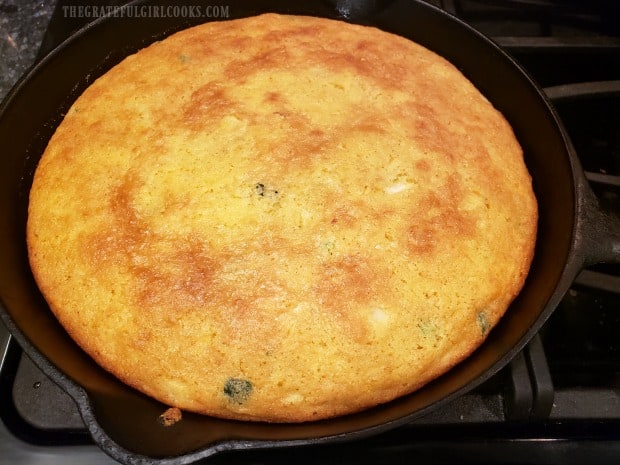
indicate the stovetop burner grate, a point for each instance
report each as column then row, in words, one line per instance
column 538, row 18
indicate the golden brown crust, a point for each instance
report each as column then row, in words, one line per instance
column 281, row 218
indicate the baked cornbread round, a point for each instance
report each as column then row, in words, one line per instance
column 281, row 218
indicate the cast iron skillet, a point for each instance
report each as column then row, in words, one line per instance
column 573, row 231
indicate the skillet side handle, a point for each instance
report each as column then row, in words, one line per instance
column 598, row 231
column 359, row 9
column 598, row 224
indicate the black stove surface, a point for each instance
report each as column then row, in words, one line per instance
column 558, row 402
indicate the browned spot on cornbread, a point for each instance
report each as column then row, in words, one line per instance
column 181, row 279
column 422, row 165
column 209, row 102
column 302, row 34
column 115, row 243
column 343, row 217
column 347, row 285
column 240, row 70
column 170, row 277
column 301, row 142
column 361, row 57
column 438, row 217
column 274, row 97
column 239, row 42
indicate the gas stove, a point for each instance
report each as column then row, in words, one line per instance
column 558, row 402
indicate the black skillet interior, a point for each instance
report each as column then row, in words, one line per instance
column 124, row 422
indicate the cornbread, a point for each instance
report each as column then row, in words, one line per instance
column 281, row 218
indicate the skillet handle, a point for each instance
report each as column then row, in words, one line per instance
column 598, row 230
column 598, row 222
column 359, row 9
